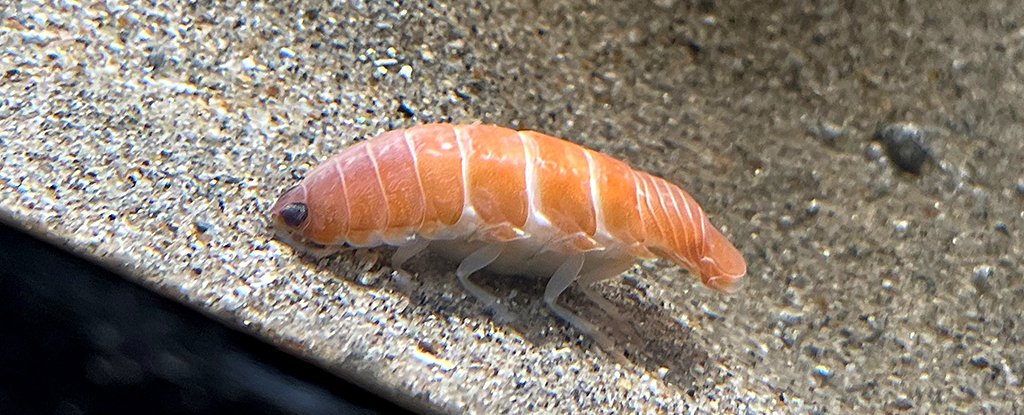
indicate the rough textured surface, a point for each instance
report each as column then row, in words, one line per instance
column 157, row 134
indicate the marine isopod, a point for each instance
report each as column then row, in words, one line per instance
column 511, row 202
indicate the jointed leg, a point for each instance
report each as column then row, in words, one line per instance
column 604, row 272
column 560, row 281
column 405, row 252
column 473, row 263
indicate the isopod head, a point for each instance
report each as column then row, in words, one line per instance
column 306, row 221
column 290, row 215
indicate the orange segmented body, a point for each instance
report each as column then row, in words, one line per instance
column 514, row 202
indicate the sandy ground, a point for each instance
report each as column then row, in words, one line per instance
column 156, row 135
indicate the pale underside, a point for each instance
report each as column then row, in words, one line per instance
column 537, row 255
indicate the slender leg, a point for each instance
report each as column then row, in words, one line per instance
column 407, row 251
column 604, row 272
column 598, row 274
column 603, row 303
column 563, row 277
column 318, row 253
column 473, row 263
column 309, row 250
column 622, row 325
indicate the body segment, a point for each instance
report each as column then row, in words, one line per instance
column 517, row 202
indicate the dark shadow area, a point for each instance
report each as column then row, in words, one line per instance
column 77, row 338
column 650, row 337
column 645, row 333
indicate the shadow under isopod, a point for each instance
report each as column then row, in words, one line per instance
column 645, row 333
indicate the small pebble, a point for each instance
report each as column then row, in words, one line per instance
column 904, row 143
column 981, row 276
column 456, row 44
column 822, row 372
column 405, row 110
column 790, row 318
column 286, row 53
column 813, row 208
column 1011, row 378
column 405, row 72
column 826, row 132
column 786, row 222
column 873, row 151
column 1002, row 228
column 427, row 56
column 248, row 64
column 979, row 362
column 242, row 291
column 201, row 225
column 903, row 403
column 710, row 313
column 38, row 37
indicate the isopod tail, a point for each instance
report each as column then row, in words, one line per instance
column 722, row 266
column 687, row 237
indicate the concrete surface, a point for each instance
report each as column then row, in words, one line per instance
column 157, row 134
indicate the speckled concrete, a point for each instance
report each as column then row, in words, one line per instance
column 156, row 135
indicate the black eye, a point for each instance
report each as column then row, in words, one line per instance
column 294, row 214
